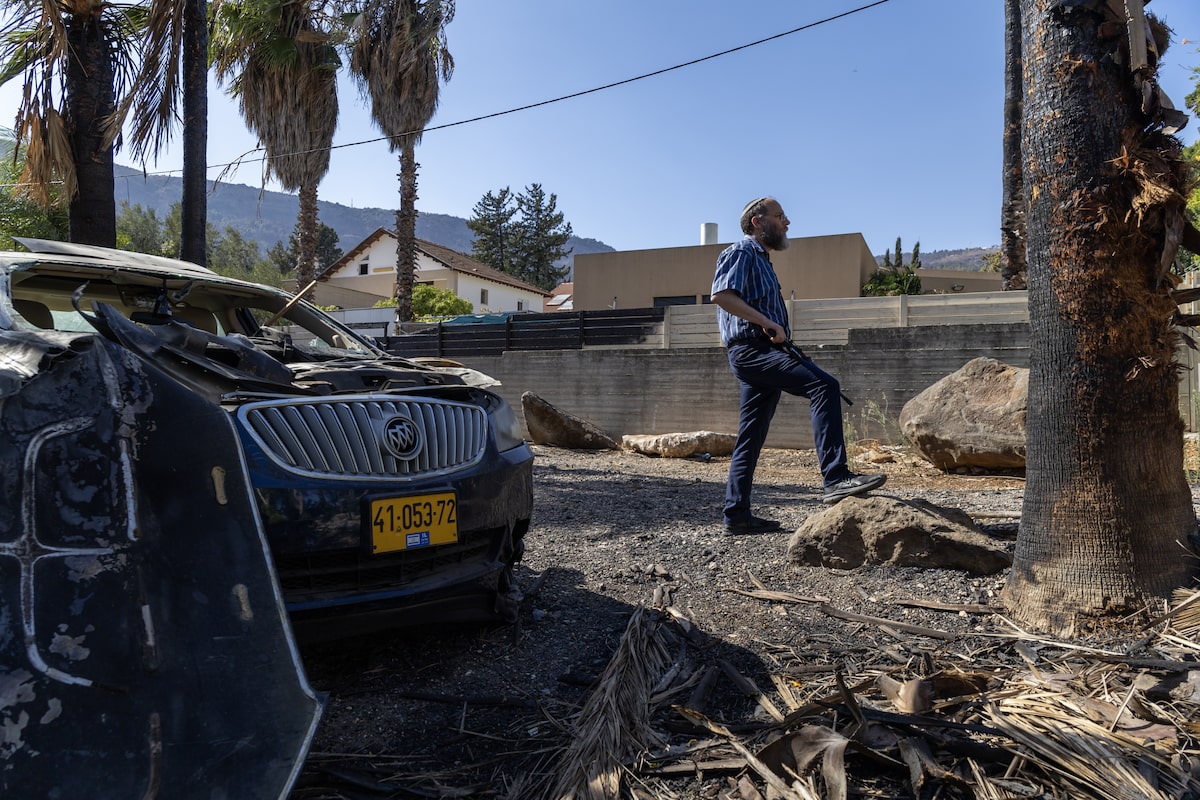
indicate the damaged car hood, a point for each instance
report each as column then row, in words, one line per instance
column 144, row 647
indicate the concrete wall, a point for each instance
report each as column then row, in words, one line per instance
column 953, row 281
column 811, row 267
column 666, row 391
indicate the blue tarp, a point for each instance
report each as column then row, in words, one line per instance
column 481, row 319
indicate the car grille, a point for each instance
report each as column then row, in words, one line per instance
column 344, row 438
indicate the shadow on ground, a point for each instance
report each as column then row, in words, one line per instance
column 474, row 709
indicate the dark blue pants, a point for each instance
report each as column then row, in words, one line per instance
column 764, row 373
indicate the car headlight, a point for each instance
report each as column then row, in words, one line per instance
column 508, row 430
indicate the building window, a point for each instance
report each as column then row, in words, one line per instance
column 362, row 268
column 520, row 305
column 483, row 297
column 675, row 300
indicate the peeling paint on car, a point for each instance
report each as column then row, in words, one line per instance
column 100, row 564
column 188, row 494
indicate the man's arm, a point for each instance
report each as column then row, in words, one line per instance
column 731, row 301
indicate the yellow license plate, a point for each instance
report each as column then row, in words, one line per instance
column 410, row 523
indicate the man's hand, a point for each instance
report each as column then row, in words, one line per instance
column 730, row 301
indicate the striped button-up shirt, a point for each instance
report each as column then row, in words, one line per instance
column 744, row 268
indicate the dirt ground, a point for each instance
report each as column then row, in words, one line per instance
column 489, row 711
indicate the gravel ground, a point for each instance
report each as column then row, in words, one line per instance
column 486, row 709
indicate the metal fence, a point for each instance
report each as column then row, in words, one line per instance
column 557, row 331
column 814, row 323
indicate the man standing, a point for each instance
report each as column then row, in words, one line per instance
column 753, row 320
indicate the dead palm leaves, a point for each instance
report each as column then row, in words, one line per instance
column 1014, row 717
column 615, row 722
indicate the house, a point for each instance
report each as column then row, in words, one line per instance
column 561, row 298
column 812, row 267
column 368, row 270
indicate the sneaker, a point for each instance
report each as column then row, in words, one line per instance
column 752, row 525
column 852, row 485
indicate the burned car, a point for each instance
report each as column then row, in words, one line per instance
column 195, row 467
column 390, row 491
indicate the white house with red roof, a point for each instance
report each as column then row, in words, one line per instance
column 369, row 269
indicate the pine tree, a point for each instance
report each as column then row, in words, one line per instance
column 494, row 230
column 541, row 238
column 326, row 251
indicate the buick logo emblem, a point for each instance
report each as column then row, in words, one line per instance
column 402, row 438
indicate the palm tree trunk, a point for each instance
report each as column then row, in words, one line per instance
column 1106, row 501
column 194, row 212
column 406, row 231
column 306, row 245
column 90, row 100
column 1012, row 207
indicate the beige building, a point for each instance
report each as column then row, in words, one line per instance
column 812, row 267
column 368, row 270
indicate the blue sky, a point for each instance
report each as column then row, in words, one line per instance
column 886, row 121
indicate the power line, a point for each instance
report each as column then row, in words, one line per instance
column 243, row 160
column 585, row 92
column 654, row 74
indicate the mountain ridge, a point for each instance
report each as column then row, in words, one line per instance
column 267, row 217
column 968, row 259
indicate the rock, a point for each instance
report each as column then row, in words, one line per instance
column 550, row 426
column 974, row 417
column 876, row 456
column 680, row 445
column 901, row 533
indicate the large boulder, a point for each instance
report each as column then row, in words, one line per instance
column 900, row 533
column 972, row 418
column 548, row 425
column 680, row 445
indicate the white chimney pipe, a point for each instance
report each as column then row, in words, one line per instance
column 708, row 233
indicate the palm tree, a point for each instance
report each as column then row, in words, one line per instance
column 75, row 57
column 1106, row 504
column 283, row 70
column 174, row 72
column 1012, row 207
column 399, row 56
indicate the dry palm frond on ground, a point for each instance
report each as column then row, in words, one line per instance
column 1026, row 718
column 614, row 723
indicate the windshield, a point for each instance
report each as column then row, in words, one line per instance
column 53, row 295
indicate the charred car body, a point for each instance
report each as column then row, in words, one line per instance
column 385, row 486
column 193, row 455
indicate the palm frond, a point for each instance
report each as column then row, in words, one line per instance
column 49, row 160
column 1057, row 734
column 156, row 88
column 399, row 57
column 616, row 715
column 35, row 44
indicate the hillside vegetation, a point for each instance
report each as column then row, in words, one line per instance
column 269, row 217
column 969, row 259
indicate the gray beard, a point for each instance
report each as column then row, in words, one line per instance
column 774, row 240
